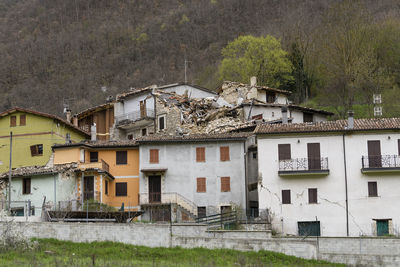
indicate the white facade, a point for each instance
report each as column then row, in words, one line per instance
column 191, row 91
column 330, row 209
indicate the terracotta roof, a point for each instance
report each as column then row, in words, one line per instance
column 266, row 88
column 195, row 137
column 100, row 144
column 51, row 116
column 313, row 110
column 330, row 126
column 93, row 109
column 134, row 91
column 39, row 170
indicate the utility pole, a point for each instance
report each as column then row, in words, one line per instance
column 185, row 70
column 9, row 175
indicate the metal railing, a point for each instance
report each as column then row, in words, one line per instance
column 135, row 116
column 304, row 164
column 168, row 198
column 219, row 220
column 18, row 208
column 380, row 161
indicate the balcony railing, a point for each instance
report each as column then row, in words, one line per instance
column 168, row 198
column 102, row 165
column 135, row 116
column 304, row 166
column 380, row 163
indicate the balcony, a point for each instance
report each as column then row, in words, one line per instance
column 379, row 164
column 140, row 118
column 304, row 166
column 101, row 165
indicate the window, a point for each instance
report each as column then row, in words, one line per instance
column 200, row 154
column 201, row 185
column 382, row 227
column 142, row 108
column 94, row 156
column 121, row 189
column 254, row 155
column 154, row 156
column 224, row 153
column 106, row 187
column 201, row 212
column 161, row 122
column 257, row 117
column 13, row 121
column 312, row 195
column 312, row 228
column 284, row 152
column 37, row 150
column 270, row 97
column 372, row 189
column 122, row 157
column 26, row 186
column 225, row 184
column 144, row 132
column 286, row 197
column 308, row 117
column 22, row 120
column 226, row 209
column 130, row 136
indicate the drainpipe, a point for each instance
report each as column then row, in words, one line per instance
column 345, row 185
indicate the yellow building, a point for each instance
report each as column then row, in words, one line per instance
column 34, row 133
column 109, row 171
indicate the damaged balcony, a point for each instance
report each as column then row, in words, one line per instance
column 380, row 164
column 135, row 119
column 101, row 165
column 304, row 166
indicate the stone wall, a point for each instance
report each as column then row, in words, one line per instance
column 365, row 250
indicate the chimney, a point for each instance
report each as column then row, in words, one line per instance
column 253, row 81
column 350, row 120
column 284, row 115
column 75, row 120
column 68, row 114
column 93, row 133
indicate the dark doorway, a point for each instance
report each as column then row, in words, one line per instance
column 374, row 154
column 155, row 189
column 314, row 156
column 88, row 187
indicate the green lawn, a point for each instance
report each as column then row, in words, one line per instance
column 51, row 252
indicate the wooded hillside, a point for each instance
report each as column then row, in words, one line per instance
column 80, row 51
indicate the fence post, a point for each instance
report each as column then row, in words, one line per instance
column 87, row 211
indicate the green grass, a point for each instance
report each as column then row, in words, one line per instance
column 51, row 252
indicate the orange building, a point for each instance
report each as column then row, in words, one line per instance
column 108, row 171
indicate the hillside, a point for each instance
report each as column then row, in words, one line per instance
column 78, row 52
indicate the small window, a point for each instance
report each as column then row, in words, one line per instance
column 122, row 157
column 225, row 184
column 312, row 195
column 22, row 120
column 37, row 150
column 121, row 189
column 13, row 121
column 271, row 97
column 26, row 186
column 312, row 228
column 254, row 155
column 286, row 197
column 154, row 156
column 308, row 117
column 161, row 122
column 224, row 153
column 201, row 212
column 130, row 136
column 200, row 154
column 372, row 189
column 284, row 152
column 106, row 187
column 94, row 156
column 201, row 185
column 144, row 131
column 257, row 117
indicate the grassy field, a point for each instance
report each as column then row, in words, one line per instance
column 51, row 252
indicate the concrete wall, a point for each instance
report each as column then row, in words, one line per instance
column 331, row 207
column 367, row 251
column 180, row 159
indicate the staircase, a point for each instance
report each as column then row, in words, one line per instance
column 221, row 220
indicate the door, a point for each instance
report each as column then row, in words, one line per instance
column 309, row 228
column 374, row 154
column 88, row 187
column 314, row 156
column 155, row 189
column 382, row 227
column 143, row 109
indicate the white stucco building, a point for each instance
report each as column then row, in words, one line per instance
column 334, row 178
column 200, row 174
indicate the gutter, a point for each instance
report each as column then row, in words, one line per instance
column 345, row 184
